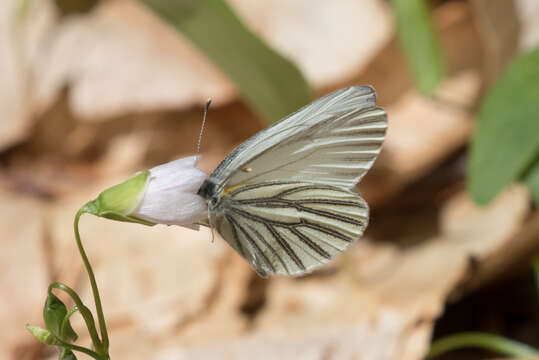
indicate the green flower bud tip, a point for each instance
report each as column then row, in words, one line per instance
column 43, row 335
column 118, row 201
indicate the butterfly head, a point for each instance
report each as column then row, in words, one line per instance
column 208, row 190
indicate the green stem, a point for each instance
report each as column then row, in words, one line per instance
column 70, row 314
column 84, row 311
column 66, row 319
column 490, row 342
column 95, row 291
column 82, row 349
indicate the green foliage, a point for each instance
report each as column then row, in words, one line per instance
column 57, row 320
column 480, row 340
column 59, row 332
column 420, row 43
column 67, row 355
column 506, row 141
column 271, row 84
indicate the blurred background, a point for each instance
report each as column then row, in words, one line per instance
column 93, row 91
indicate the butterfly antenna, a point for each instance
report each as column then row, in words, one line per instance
column 207, row 107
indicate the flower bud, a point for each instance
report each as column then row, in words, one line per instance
column 43, row 335
column 165, row 194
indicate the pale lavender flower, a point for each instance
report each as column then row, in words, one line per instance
column 171, row 196
column 165, row 194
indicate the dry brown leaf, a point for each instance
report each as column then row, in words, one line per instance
column 13, row 72
column 389, row 72
column 358, row 312
column 423, row 132
column 25, row 273
column 528, row 12
column 329, row 41
column 125, row 153
column 128, row 61
column 498, row 26
column 220, row 320
column 512, row 257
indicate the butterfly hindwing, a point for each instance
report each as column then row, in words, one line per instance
column 289, row 227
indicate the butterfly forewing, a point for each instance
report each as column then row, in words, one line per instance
column 289, row 227
column 332, row 141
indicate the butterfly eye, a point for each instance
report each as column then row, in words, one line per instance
column 213, row 201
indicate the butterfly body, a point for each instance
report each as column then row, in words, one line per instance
column 285, row 199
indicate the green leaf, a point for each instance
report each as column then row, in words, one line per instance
column 506, row 140
column 67, row 355
column 66, row 331
column 532, row 180
column 420, row 43
column 271, row 84
column 54, row 313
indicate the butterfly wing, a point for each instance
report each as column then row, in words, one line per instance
column 332, row 141
column 290, row 228
column 284, row 199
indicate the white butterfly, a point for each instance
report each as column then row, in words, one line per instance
column 285, row 198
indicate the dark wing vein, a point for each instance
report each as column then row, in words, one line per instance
column 286, row 247
column 268, row 245
column 327, row 231
column 311, row 243
column 252, row 242
column 235, row 235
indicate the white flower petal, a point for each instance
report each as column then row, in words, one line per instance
column 171, row 197
column 172, row 208
column 182, row 172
